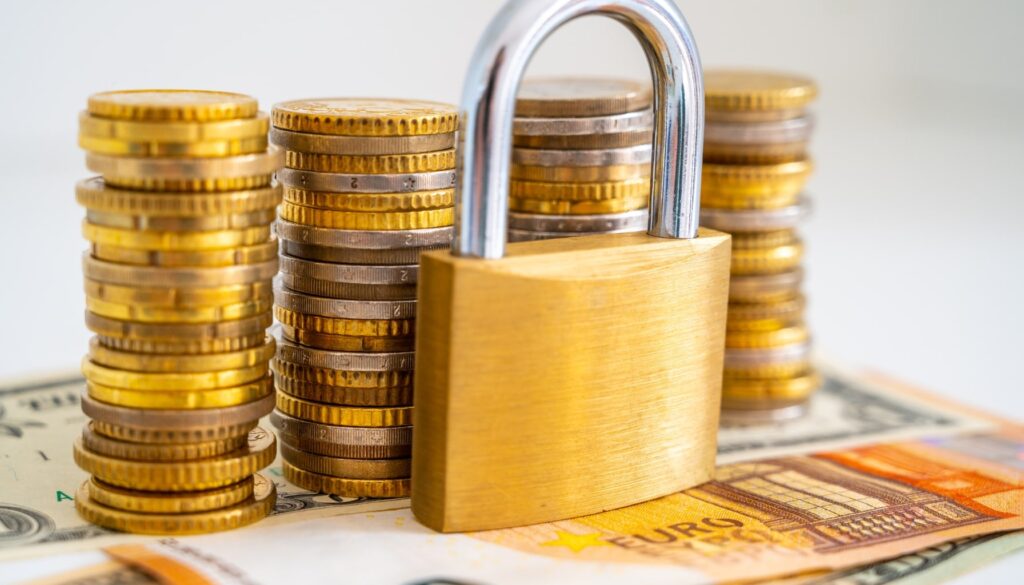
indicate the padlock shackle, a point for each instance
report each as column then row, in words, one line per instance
column 488, row 106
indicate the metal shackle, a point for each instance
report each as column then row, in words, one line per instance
column 488, row 106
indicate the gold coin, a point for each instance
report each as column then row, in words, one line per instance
column 348, row 342
column 360, row 145
column 762, row 240
column 185, row 346
column 766, row 339
column 98, row 443
column 347, row 488
column 358, row 220
column 171, row 105
column 142, row 362
column 176, row 381
column 755, row 154
column 169, row 502
column 581, row 191
column 175, row 241
column 341, row 378
column 573, row 97
column 173, row 132
column 181, row 399
column 208, row 185
column 347, row 396
column 240, row 256
column 149, row 314
column 346, row 416
column 180, row 297
column 177, row 332
column 178, row 437
column 347, row 468
column 181, row 224
column 765, row 316
column 766, row 202
column 375, row 202
column 366, row 117
column 441, row 160
column 751, row 181
column 774, row 371
column 583, row 141
column 339, row 326
column 580, row 174
column 181, row 476
column 548, row 207
column 252, row 509
column 767, row 260
column 796, row 388
column 94, row 194
column 118, row 147
column 744, row 90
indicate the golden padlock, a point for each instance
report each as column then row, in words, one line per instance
column 572, row 376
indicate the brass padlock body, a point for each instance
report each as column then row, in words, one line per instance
column 570, row 377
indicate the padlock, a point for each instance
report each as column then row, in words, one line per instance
column 567, row 377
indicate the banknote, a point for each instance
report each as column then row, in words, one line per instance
column 935, row 564
column 39, row 419
column 798, row 515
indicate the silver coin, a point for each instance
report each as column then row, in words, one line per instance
column 341, row 308
column 743, row 287
column 360, row 145
column 355, row 255
column 353, row 273
column 739, row 358
column 758, row 416
column 641, row 120
column 753, row 220
column 348, row 183
column 364, row 239
column 606, row 222
column 633, row 155
column 349, row 290
column 770, row 132
column 350, row 361
column 525, row 236
column 348, row 442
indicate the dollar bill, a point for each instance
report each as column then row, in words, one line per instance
column 39, row 419
column 799, row 515
column 935, row 564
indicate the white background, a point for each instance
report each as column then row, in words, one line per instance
column 916, row 249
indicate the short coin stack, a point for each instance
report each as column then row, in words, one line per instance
column 368, row 185
column 581, row 160
column 755, row 168
column 178, row 293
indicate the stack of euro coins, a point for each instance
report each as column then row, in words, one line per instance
column 581, row 158
column 178, row 293
column 368, row 185
column 755, row 168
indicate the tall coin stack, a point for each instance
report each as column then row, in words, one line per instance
column 368, row 185
column 178, row 293
column 581, row 161
column 755, row 168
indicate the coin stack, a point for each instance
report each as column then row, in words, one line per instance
column 581, row 161
column 755, row 168
column 178, row 292
column 368, row 185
